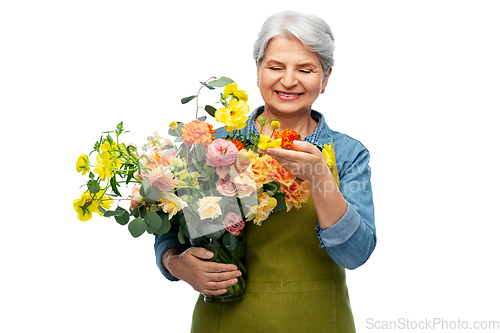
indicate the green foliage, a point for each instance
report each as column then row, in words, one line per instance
column 222, row 82
column 210, row 110
column 206, row 85
column 153, row 221
column 187, row 99
column 230, row 241
column 137, row 227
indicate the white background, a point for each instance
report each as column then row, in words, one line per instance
column 416, row 81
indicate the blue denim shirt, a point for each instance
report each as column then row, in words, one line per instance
column 351, row 240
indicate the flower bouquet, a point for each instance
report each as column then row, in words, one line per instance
column 206, row 188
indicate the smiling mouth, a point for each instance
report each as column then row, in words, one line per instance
column 288, row 94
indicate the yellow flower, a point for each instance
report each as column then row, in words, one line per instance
column 83, row 214
column 82, row 165
column 106, row 146
column 261, row 211
column 328, row 155
column 234, row 115
column 275, row 125
column 96, row 200
column 173, row 125
column 266, row 143
column 209, row 207
column 172, row 204
column 104, row 166
column 232, row 89
column 272, row 203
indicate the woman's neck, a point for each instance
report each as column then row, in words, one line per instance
column 301, row 123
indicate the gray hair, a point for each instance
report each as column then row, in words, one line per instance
column 311, row 30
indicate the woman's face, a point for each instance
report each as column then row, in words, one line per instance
column 290, row 76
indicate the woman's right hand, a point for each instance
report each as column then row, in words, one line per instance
column 209, row 278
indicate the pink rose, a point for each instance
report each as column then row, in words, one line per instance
column 221, row 152
column 225, row 186
column 233, row 223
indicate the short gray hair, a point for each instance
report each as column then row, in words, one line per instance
column 311, row 30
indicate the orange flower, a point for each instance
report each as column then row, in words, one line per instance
column 277, row 172
column 296, row 194
column 257, row 166
column 238, row 144
column 287, row 136
column 196, row 132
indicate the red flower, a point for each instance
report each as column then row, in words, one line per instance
column 238, row 144
column 287, row 137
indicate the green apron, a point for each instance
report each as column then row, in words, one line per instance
column 293, row 284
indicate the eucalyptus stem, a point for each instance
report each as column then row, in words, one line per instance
column 198, row 95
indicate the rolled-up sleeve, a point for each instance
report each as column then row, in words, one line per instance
column 163, row 244
column 351, row 240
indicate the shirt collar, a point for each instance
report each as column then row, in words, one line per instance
column 319, row 136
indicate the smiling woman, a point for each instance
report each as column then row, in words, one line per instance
column 290, row 78
column 297, row 259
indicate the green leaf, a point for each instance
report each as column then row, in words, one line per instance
column 117, row 212
column 230, row 241
column 153, row 195
column 135, row 212
column 210, row 110
column 137, row 227
column 187, row 99
column 206, row 85
column 143, row 211
column 178, row 131
column 145, row 188
column 223, row 202
column 250, row 201
column 93, row 186
column 154, row 220
column 114, row 186
column 122, row 218
column 222, row 82
column 202, row 118
column 281, row 205
column 102, row 210
column 165, row 227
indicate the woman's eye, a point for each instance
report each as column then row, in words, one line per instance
column 306, row 71
column 275, row 68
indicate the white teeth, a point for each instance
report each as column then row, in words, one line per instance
column 286, row 95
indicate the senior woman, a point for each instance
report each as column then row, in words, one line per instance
column 297, row 259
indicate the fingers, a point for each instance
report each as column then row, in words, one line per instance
column 210, row 278
column 218, row 288
column 200, row 253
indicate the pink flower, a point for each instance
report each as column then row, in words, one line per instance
column 164, row 181
column 221, row 152
column 135, row 197
column 233, row 223
column 226, row 187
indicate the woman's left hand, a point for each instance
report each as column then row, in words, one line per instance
column 308, row 164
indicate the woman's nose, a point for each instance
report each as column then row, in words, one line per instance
column 289, row 79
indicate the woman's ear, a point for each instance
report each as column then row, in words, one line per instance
column 324, row 82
